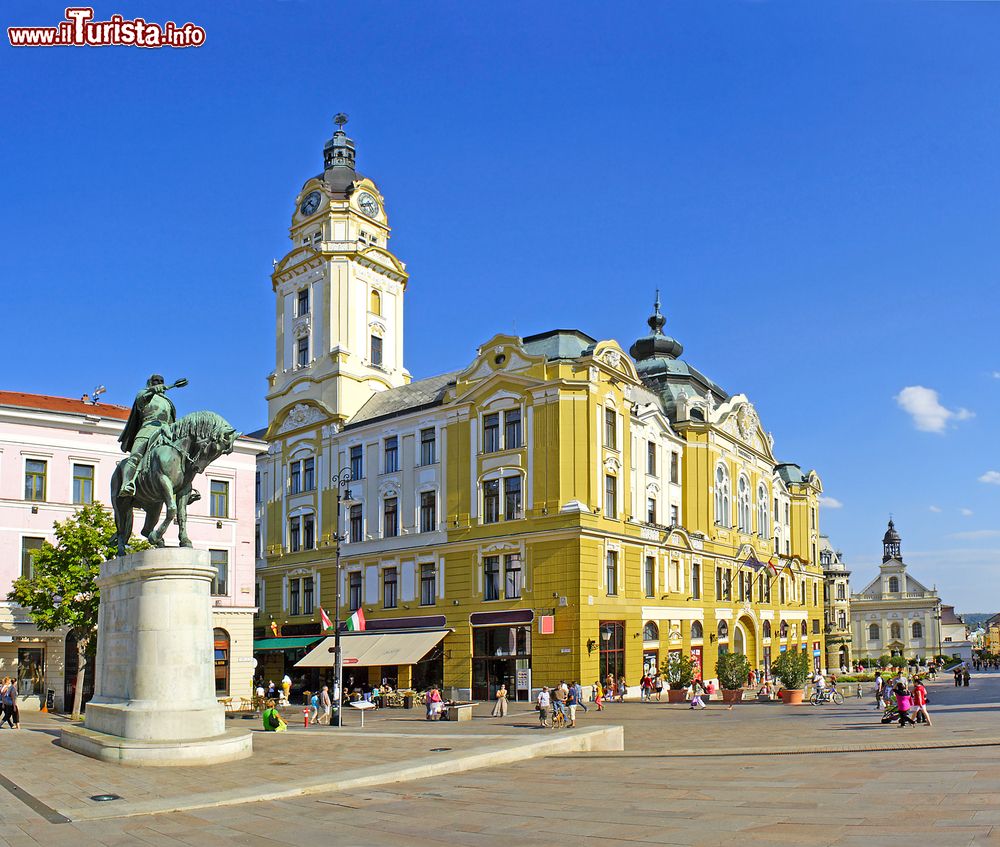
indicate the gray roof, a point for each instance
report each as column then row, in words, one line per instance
column 420, row 394
column 558, row 344
column 790, row 473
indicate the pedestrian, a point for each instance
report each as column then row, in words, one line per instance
column 571, row 703
column 314, row 708
column 325, row 704
column 559, row 696
column 696, row 689
column 958, row 676
column 599, row 695
column 879, row 690
column 272, row 691
column 609, row 687
column 645, row 684
column 622, row 689
column 544, row 705
column 434, row 704
column 658, row 686
column 272, row 721
column 903, row 704
column 920, row 700
column 965, row 676
column 8, row 704
column 500, row 706
column 579, row 695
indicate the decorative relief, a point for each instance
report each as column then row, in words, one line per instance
column 301, row 415
column 301, row 326
column 613, row 358
column 747, row 421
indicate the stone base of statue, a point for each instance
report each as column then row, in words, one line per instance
column 154, row 694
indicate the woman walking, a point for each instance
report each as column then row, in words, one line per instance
column 903, row 704
column 500, row 707
column 599, row 696
column 8, row 702
column 920, row 700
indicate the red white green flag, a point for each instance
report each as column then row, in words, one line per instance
column 325, row 619
column 356, row 622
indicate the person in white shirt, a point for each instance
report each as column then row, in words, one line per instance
column 544, row 703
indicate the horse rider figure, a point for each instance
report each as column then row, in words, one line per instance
column 152, row 414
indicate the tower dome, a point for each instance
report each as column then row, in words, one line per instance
column 891, row 543
column 656, row 344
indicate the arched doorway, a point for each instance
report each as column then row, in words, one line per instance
column 745, row 640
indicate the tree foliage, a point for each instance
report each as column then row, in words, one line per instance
column 732, row 669
column 792, row 667
column 680, row 671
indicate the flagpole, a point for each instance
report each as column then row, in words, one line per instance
column 341, row 481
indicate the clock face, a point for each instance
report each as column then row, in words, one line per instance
column 368, row 204
column 311, row 203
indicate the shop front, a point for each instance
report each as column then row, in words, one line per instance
column 612, row 655
column 501, row 654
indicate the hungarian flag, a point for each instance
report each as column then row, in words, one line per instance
column 325, row 619
column 356, row 622
column 772, row 566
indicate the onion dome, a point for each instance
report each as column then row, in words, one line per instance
column 338, row 160
column 656, row 344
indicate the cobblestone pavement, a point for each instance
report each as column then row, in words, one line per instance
column 945, row 795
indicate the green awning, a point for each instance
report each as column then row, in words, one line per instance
column 265, row 644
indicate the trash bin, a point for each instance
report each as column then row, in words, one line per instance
column 407, row 701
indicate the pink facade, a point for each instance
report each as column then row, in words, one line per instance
column 56, row 453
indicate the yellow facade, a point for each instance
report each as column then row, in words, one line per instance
column 626, row 498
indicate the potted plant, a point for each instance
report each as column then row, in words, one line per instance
column 732, row 669
column 791, row 669
column 680, row 674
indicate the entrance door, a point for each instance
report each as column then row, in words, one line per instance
column 489, row 674
column 739, row 645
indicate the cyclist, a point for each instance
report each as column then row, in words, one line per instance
column 819, row 682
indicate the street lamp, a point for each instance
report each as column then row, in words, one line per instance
column 341, row 481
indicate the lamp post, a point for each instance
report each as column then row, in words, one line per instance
column 341, row 481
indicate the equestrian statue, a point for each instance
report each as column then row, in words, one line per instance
column 165, row 455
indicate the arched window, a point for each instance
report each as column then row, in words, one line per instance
column 873, row 632
column 650, row 632
column 697, row 632
column 918, row 630
column 743, row 504
column 723, row 630
column 783, row 629
column 893, row 583
column 767, row 629
column 221, row 638
column 375, row 306
column 763, row 525
column 895, row 631
column 723, row 517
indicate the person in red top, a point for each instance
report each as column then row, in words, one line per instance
column 920, row 700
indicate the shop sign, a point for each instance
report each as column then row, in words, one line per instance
column 546, row 624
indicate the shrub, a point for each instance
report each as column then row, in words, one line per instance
column 680, row 671
column 732, row 669
column 792, row 668
column 884, row 660
column 897, row 662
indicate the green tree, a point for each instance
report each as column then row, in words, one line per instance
column 61, row 590
column 732, row 669
column 680, row 671
column 792, row 668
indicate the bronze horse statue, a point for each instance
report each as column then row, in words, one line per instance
column 180, row 453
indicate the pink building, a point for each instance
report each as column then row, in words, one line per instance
column 57, row 453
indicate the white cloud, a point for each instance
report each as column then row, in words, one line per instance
column 966, row 513
column 830, row 502
column 991, row 477
column 976, row 533
column 996, row 374
column 923, row 405
column 935, row 508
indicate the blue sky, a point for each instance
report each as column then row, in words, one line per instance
column 814, row 188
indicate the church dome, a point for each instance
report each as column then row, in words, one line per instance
column 656, row 344
column 891, row 535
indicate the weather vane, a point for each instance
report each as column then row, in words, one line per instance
column 340, row 119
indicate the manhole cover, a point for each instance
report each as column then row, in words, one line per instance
column 440, row 749
column 103, row 798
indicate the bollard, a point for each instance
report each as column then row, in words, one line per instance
column 305, row 717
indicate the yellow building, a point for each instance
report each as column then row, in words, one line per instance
column 559, row 509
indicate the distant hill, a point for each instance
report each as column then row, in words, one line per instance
column 974, row 619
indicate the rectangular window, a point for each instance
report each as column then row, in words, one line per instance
column 28, row 548
column 491, row 578
column 651, row 458
column 841, row 620
column 675, row 470
column 83, row 483
column 611, row 572
column 491, row 501
column 491, row 433
column 220, row 564
column 841, row 592
column 815, row 625
column 390, row 515
column 35, row 471
column 775, row 510
column 649, row 576
column 356, row 522
column 391, row 454
column 256, row 487
column 611, row 429
column 220, row 499
column 428, row 585
column 295, row 534
column 389, row 585
column 294, row 597
column 256, row 544
column 743, row 587
column 354, row 590
column 302, row 352
column 651, row 510
column 512, row 429
column 676, row 576
column 428, row 453
column 812, row 520
column 308, row 474
column 695, row 581
column 512, row 497
column 376, row 351
column 788, row 513
column 307, row 595
column 428, row 511
column 611, row 496
column 295, row 478
column 512, row 576
column 357, row 462
column 767, row 590
column 727, row 585
column 675, row 518
column 308, row 532
column 815, row 593
column 303, row 301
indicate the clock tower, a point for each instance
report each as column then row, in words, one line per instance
column 339, row 298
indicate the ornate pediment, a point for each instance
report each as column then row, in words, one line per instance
column 300, row 415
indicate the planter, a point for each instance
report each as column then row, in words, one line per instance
column 732, row 695
column 791, row 696
column 678, row 695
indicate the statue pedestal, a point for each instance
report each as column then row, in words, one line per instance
column 154, row 696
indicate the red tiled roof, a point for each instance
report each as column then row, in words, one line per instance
column 21, row 400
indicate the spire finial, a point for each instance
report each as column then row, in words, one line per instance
column 340, row 119
column 656, row 320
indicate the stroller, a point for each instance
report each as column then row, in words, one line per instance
column 891, row 712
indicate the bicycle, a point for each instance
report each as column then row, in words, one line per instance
column 827, row 695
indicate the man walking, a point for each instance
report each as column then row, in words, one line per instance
column 544, row 706
column 578, row 690
column 325, row 704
